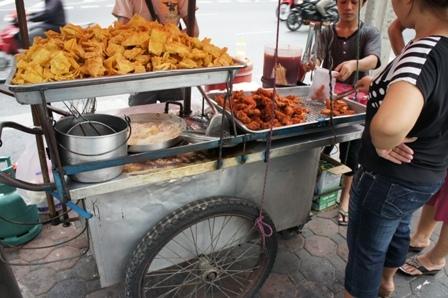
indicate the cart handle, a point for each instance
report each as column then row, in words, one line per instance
column 10, row 124
column 7, row 160
column 10, row 181
column 181, row 107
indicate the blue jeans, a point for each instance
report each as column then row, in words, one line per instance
column 378, row 232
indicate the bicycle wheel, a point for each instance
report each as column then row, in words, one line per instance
column 208, row 248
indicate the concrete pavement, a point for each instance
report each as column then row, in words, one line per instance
column 309, row 265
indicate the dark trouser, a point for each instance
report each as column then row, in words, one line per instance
column 348, row 154
column 40, row 29
column 378, row 231
column 150, row 97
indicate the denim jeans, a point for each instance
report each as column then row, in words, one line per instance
column 378, row 232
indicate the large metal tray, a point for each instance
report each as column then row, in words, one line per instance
column 121, row 84
column 314, row 119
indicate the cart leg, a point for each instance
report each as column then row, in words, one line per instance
column 8, row 282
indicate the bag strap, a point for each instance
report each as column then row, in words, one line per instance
column 152, row 11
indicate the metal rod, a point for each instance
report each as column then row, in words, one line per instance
column 191, row 21
column 53, row 147
column 8, row 283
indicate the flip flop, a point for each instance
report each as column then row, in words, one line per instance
column 414, row 262
column 416, row 249
column 343, row 217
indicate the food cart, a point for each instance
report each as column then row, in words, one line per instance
column 205, row 224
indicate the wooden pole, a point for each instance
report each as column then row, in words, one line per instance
column 23, row 27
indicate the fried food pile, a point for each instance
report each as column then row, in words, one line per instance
column 256, row 111
column 340, row 108
column 135, row 47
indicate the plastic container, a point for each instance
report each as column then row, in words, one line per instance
column 327, row 200
column 330, row 173
column 243, row 75
column 289, row 69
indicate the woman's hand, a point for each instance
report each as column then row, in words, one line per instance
column 400, row 154
column 364, row 84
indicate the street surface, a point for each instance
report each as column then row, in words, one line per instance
column 240, row 25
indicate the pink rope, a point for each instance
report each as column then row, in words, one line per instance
column 264, row 228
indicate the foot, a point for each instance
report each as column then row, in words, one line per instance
column 421, row 265
column 387, row 289
column 343, row 217
column 417, row 245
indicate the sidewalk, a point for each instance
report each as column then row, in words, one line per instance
column 309, row 265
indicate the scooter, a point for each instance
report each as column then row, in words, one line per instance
column 284, row 9
column 9, row 40
column 305, row 12
column 10, row 43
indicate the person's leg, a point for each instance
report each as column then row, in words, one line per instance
column 320, row 7
column 425, row 227
column 349, row 153
column 379, row 227
column 396, row 255
column 143, row 98
column 368, row 236
column 434, row 259
column 34, row 32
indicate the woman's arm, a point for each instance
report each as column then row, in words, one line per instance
column 397, row 115
column 196, row 27
column 395, row 32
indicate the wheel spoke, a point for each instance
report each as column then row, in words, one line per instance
column 215, row 254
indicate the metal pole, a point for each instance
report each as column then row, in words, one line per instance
column 8, row 283
column 191, row 20
column 23, row 27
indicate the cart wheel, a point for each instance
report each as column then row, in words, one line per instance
column 208, row 248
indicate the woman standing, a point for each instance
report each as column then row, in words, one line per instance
column 404, row 152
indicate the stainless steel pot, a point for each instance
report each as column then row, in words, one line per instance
column 76, row 149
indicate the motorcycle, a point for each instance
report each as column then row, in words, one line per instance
column 284, row 9
column 10, row 43
column 305, row 12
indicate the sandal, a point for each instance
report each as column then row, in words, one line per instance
column 343, row 217
column 415, row 262
column 417, row 249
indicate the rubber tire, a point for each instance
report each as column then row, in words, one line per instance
column 160, row 234
column 294, row 21
column 288, row 9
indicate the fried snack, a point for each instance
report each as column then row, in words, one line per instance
column 257, row 111
column 135, row 47
column 340, row 108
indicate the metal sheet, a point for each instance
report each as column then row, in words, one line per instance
column 121, row 84
column 314, row 118
column 127, row 215
column 280, row 148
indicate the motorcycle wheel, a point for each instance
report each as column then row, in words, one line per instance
column 284, row 11
column 294, row 21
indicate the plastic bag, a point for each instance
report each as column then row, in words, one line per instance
column 28, row 169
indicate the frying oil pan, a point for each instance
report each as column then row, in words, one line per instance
column 160, row 118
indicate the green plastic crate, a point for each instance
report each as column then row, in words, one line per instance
column 326, row 200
